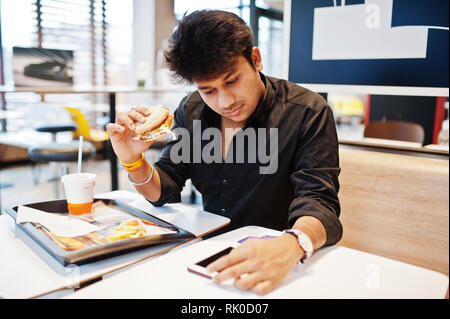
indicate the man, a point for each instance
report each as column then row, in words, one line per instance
column 213, row 50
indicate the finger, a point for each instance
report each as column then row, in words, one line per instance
column 235, row 271
column 136, row 116
column 141, row 109
column 148, row 143
column 122, row 118
column 249, row 280
column 236, row 255
column 263, row 287
column 113, row 128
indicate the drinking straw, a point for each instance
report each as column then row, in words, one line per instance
column 80, row 153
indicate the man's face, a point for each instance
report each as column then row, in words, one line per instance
column 235, row 94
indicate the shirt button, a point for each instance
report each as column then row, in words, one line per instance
column 223, row 210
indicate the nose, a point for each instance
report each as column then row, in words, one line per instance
column 226, row 100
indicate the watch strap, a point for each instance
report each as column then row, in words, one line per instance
column 303, row 240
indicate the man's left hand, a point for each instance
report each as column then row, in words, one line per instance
column 259, row 265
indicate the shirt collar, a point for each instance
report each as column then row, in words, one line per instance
column 259, row 116
column 265, row 105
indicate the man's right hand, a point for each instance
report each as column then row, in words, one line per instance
column 121, row 134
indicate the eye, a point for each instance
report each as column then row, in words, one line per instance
column 232, row 81
column 209, row 92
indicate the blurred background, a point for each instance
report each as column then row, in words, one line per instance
column 119, row 44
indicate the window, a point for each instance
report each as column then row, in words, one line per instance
column 268, row 21
column 98, row 31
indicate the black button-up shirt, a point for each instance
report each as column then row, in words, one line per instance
column 305, row 182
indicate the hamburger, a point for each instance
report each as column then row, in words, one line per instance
column 157, row 124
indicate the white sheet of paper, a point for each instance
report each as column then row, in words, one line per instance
column 105, row 214
column 64, row 226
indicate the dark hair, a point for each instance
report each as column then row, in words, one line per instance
column 206, row 44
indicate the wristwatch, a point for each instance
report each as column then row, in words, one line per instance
column 303, row 240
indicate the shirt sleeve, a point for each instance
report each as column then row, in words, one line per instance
column 173, row 175
column 315, row 175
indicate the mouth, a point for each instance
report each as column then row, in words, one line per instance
column 234, row 112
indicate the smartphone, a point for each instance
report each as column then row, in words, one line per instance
column 200, row 267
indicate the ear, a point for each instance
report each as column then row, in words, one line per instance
column 256, row 59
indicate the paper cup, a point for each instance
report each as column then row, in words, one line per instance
column 79, row 189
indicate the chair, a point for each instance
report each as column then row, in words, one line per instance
column 59, row 153
column 395, row 130
column 96, row 137
column 54, row 129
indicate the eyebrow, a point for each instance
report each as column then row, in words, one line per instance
column 224, row 79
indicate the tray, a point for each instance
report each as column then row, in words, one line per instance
column 99, row 246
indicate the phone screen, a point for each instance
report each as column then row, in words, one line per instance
column 205, row 262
